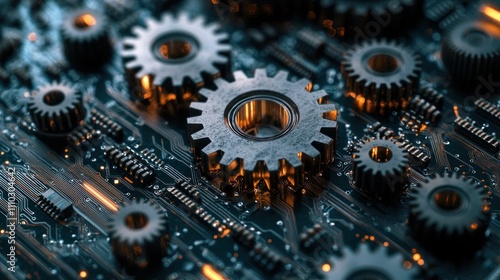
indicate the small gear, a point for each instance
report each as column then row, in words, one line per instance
column 139, row 235
column 263, row 128
column 56, row 108
column 471, row 49
column 449, row 215
column 380, row 167
column 367, row 264
column 383, row 75
column 363, row 19
column 86, row 39
column 171, row 59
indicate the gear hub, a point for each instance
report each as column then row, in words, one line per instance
column 449, row 215
column 139, row 235
column 86, row 39
column 170, row 60
column 367, row 264
column 382, row 75
column 263, row 128
column 56, row 108
column 380, row 167
column 471, row 49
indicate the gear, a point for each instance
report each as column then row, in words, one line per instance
column 449, row 215
column 367, row 264
column 380, row 167
column 139, row 235
column 263, row 128
column 383, row 75
column 471, row 49
column 166, row 60
column 367, row 18
column 86, row 39
column 56, row 108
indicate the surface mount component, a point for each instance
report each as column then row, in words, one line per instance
column 169, row 60
column 263, row 128
column 86, row 39
column 380, row 167
column 471, row 49
column 139, row 235
column 383, row 75
column 56, row 108
column 367, row 264
column 449, row 215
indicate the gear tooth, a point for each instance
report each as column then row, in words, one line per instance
column 224, row 48
column 129, row 41
column 195, row 120
column 323, row 139
column 303, row 83
column 239, row 75
column 319, row 94
column 133, row 64
column 199, row 135
column 210, row 149
column 327, row 108
column 294, row 161
column 249, row 164
column 137, row 31
column 272, row 165
column 212, row 27
column 260, row 73
column 281, row 75
column 151, row 23
column 220, row 83
column 198, row 106
column 226, row 160
column 199, row 21
column 221, row 36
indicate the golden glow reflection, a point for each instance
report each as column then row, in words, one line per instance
column 100, row 197
column 491, row 12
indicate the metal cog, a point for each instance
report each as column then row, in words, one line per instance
column 367, row 264
column 383, row 75
column 449, row 215
column 380, row 167
column 56, row 108
column 86, row 39
column 170, row 60
column 297, row 135
column 471, row 49
column 139, row 234
column 368, row 18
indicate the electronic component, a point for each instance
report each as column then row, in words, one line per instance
column 54, row 205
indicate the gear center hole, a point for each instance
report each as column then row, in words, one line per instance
column 262, row 118
column 84, row 21
column 383, row 63
column 380, row 154
column 175, row 49
column 476, row 37
column 136, row 221
column 448, row 200
column 53, row 98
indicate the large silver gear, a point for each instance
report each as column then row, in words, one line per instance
column 169, row 60
column 367, row 264
column 56, row 108
column 383, row 75
column 139, row 234
column 226, row 134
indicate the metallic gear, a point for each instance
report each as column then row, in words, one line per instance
column 367, row 18
column 367, row 264
column 56, row 108
column 449, row 215
column 166, row 60
column 139, row 234
column 383, row 75
column 263, row 128
column 86, row 39
column 380, row 167
column 471, row 49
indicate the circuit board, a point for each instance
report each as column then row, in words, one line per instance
column 246, row 139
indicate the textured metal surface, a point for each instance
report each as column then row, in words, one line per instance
column 184, row 75
column 441, row 226
column 145, row 242
column 383, row 75
column 308, row 142
column 367, row 264
column 61, row 116
column 379, row 175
